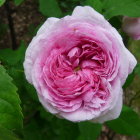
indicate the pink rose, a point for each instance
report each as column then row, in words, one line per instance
column 132, row 27
column 78, row 65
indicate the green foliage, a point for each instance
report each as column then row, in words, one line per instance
column 13, row 61
column 116, row 22
column 10, row 57
column 2, row 2
column 89, row 131
column 50, row 8
column 137, row 69
column 18, row 2
column 9, row 103
column 5, row 134
column 68, row 130
column 128, row 123
column 60, row 128
column 121, row 7
column 33, row 29
column 96, row 4
column 68, row 5
column 129, row 80
column 33, row 131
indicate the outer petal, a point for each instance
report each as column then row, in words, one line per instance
column 79, row 115
column 34, row 47
column 113, row 113
column 47, row 106
column 88, row 12
column 128, row 62
column 47, row 25
column 132, row 61
column 115, row 104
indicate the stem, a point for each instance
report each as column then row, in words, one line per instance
column 11, row 25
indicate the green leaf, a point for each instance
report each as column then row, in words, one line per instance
column 137, row 69
column 5, row 134
column 24, row 88
column 89, row 131
column 31, row 91
column 34, row 131
column 10, row 110
column 96, row 4
column 116, row 22
column 49, row 8
column 18, row 2
column 11, row 57
column 68, row 130
column 2, row 2
column 129, row 80
column 65, row 130
column 128, row 123
column 45, row 115
column 121, row 7
column 33, row 29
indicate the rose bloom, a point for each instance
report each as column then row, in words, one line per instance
column 78, row 65
column 132, row 27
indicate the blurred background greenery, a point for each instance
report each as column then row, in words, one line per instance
column 21, row 114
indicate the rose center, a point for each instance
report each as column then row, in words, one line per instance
column 77, row 68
